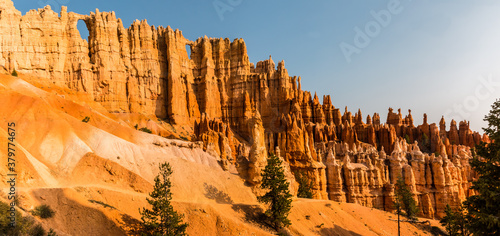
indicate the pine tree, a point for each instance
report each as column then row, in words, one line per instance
column 461, row 221
column 405, row 200
column 397, row 206
column 305, row 185
column 483, row 210
column 454, row 221
column 450, row 221
column 162, row 219
column 278, row 196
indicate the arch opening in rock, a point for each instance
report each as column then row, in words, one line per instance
column 188, row 50
column 82, row 28
column 84, row 32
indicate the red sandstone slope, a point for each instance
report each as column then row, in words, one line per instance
column 55, row 141
column 56, row 150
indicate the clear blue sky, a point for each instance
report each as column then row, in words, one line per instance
column 430, row 56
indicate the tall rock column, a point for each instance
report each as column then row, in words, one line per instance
column 11, row 34
column 258, row 153
column 334, row 178
column 181, row 99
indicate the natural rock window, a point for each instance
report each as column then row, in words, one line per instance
column 82, row 28
column 188, row 50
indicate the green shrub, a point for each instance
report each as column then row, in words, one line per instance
column 425, row 143
column 86, row 119
column 43, row 211
column 52, row 233
column 14, row 73
column 23, row 224
column 144, row 129
column 407, row 138
column 37, row 230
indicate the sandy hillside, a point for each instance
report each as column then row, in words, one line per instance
column 96, row 174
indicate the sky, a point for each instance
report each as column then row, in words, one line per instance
column 434, row 57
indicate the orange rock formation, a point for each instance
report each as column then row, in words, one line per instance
column 241, row 111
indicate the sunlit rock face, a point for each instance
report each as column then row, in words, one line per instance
column 242, row 111
column 366, row 176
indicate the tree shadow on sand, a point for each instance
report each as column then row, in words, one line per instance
column 253, row 214
column 211, row 192
column 131, row 225
column 337, row 230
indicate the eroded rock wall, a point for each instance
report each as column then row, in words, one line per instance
column 240, row 110
column 126, row 70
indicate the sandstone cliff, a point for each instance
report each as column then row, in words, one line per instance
column 240, row 110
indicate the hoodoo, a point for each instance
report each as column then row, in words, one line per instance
column 239, row 110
